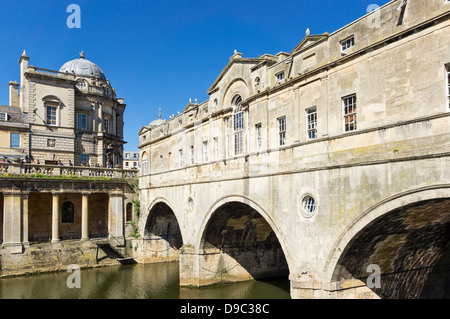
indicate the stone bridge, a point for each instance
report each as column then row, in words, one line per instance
column 390, row 209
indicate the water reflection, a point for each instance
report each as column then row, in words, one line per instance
column 152, row 281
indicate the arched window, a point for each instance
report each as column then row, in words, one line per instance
column 238, row 126
column 129, row 212
column 67, row 213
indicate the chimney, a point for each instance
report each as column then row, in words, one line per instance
column 13, row 94
column 23, row 86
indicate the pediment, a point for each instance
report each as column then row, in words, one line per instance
column 253, row 61
column 310, row 41
column 190, row 106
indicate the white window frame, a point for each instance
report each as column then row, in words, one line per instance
column 15, row 140
column 52, row 118
column 85, row 121
column 258, row 128
column 3, row 116
column 281, row 131
column 347, row 43
column 349, row 111
column 161, row 163
column 311, row 123
column 205, row 151
column 238, row 127
column 279, row 77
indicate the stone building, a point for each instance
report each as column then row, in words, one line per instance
column 131, row 159
column 305, row 163
column 73, row 114
column 61, row 138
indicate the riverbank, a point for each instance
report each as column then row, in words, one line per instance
column 44, row 258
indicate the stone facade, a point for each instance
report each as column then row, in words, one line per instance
column 71, row 115
column 295, row 155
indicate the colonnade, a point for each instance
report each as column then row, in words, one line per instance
column 16, row 218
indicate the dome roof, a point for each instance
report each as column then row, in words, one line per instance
column 82, row 66
column 157, row 122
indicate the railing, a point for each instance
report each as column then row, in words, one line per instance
column 57, row 171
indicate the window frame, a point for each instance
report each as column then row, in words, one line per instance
column 447, row 73
column 350, row 125
column 192, row 155
column 13, row 140
column 216, row 148
column 180, row 158
column 238, row 127
column 78, row 121
column 347, row 43
column 106, row 124
column 50, row 117
column 161, row 163
column 311, row 122
column 86, row 158
column 279, row 76
column 282, row 126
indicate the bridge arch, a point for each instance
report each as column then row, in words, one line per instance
column 236, row 232
column 162, row 235
column 407, row 236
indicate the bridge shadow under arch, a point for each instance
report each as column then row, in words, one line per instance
column 162, row 234
column 411, row 247
column 239, row 244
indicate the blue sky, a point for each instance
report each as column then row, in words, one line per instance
column 158, row 54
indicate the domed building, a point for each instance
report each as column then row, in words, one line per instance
column 74, row 114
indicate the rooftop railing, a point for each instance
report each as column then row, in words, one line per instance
column 64, row 172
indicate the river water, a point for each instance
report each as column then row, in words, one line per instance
column 139, row 281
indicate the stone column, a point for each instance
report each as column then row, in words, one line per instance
column 114, row 122
column 12, row 221
column 25, row 219
column 116, row 220
column 84, row 217
column 94, row 117
column 55, row 217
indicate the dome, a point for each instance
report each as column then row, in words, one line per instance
column 157, row 122
column 84, row 67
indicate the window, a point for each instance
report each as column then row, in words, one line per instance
column 216, row 147
column 227, row 136
column 161, row 163
column 448, row 83
column 129, row 211
column 180, row 158
column 127, row 155
column 3, row 116
column 347, row 44
column 84, row 159
column 309, row 206
column 349, row 105
column 144, row 166
column 311, row 122
column 106, row 125
column 51, row 115
column 67, row 212
column 238, row 126
column 279, row 77
column 135, row 155
column 282, row 130
column 82, row 122
column 192, row 155
column 134, row 164
column 82, row 85
column 205, row 151
column 258, row 128
column 15, row 140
